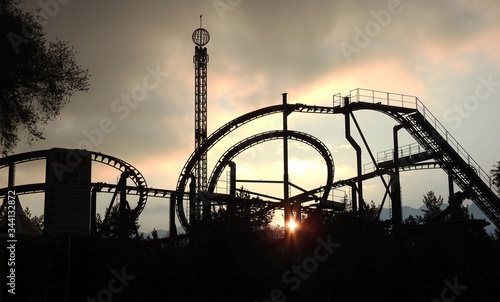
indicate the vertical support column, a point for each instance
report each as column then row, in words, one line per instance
column 453, row 201
column 397, row 209
column 450, row 184
column 12, row 173
column 232, row 191
column 206, row 205
column 354, row 197
column 66, row 268
column 359, row 163
column 286, row 197
column 171, row 217
column 193, row 204
column 93, row 205
column 10, row 184
column 122, row 184
column 232, row 179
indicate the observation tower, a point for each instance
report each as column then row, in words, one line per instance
column 200, row 38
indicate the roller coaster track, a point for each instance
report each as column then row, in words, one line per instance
column 137, row 178
column 227, row 128
column 422, row 125
column 408, row 111
column 222, row 132
column 274, row 135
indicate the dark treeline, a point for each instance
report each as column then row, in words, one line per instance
column 238, row 257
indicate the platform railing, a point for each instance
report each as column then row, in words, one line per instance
column 403, row 151
column 412, row 102
column 383, row 98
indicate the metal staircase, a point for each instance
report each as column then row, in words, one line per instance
column 411, row 113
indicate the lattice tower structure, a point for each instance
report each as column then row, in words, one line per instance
column 200, row 38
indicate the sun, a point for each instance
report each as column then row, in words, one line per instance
column 292, row 225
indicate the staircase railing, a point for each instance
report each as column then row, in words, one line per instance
column 412, row 102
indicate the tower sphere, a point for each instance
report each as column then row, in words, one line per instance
column 201, row 37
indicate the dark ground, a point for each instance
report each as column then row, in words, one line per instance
column 453, row 261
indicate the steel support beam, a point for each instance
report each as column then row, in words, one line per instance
column 232, row 179
column 356, row 207
column 124, row 217
column 397, row 209
column 286, row 197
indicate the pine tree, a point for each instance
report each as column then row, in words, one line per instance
column 433, row 205
column 495, row 174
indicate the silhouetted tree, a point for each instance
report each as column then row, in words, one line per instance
column 37, row 78
column 154, row 234
column 242, row 193
column 495, row 174
column 348, row 204
column 251, row 214
column 37, row 220
column 371, row 210
column 410, row 220
column 433, row 205
column 111, row 227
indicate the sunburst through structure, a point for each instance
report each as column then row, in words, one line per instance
column 292, row 225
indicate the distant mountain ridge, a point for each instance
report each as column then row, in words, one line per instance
column 407, row 211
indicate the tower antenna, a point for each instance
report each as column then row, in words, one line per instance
column 200, row 21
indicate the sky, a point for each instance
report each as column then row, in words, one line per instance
column 140, row 57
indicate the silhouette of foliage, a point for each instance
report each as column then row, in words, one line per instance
column 495, row 174
column 37, row 78
column 433, row 205
column 252, row 264
column 154, row 234
column 244, row 212
column 112, row 227
column 37, row 220
column 371, row 210
column 410, row 220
